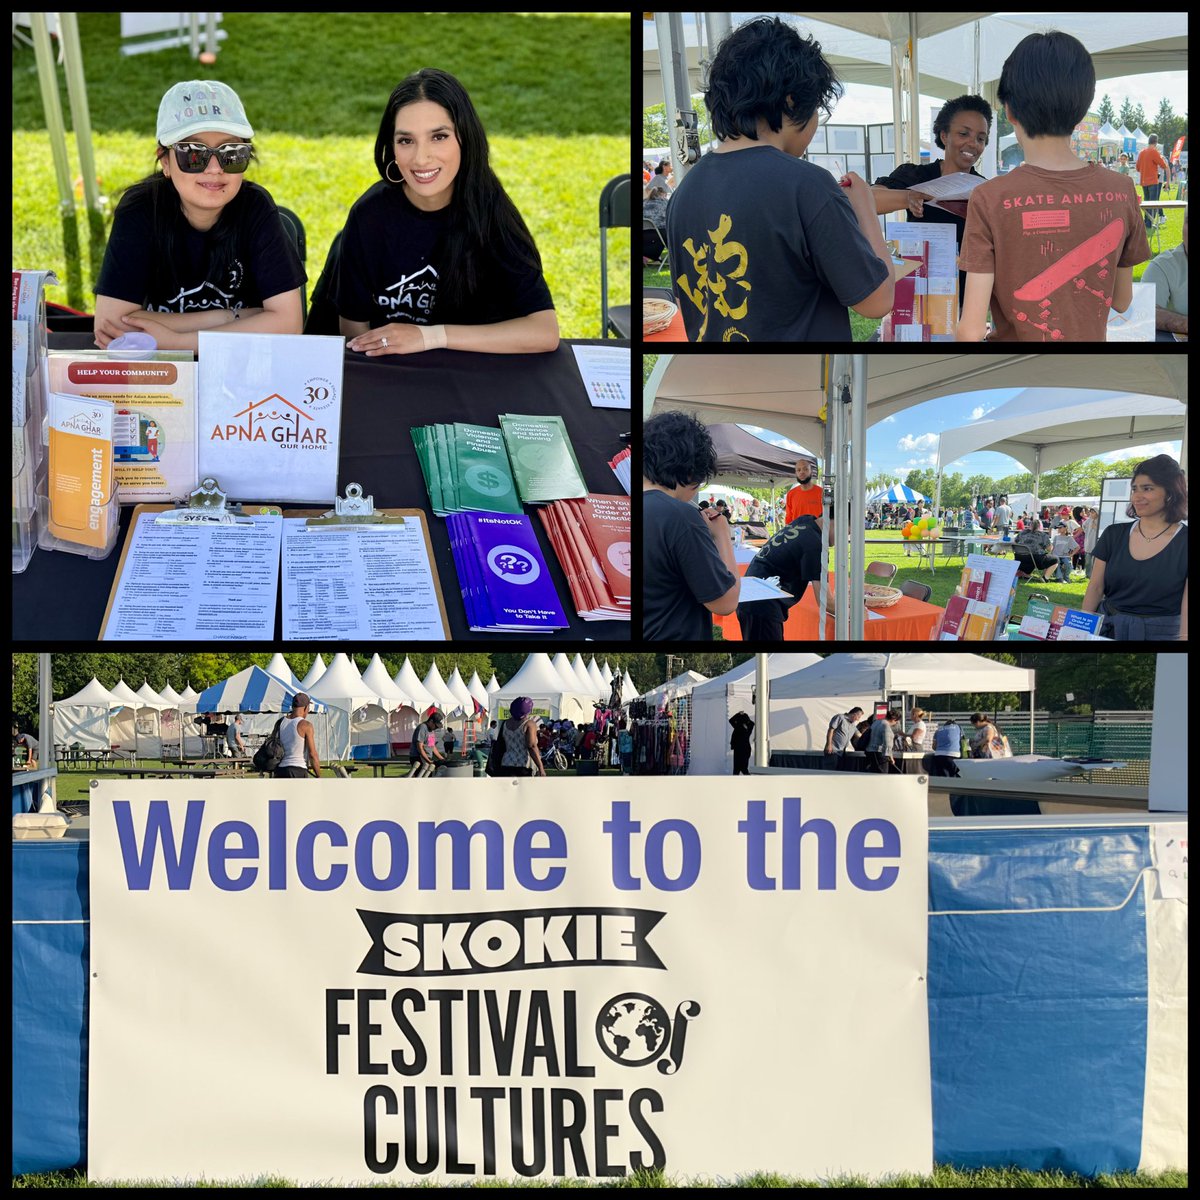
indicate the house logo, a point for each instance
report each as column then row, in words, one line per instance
column 413, row 294
column 83, row 422
column 273, row 419
column 206, row 295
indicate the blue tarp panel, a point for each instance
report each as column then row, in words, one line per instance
column 49, row 1002
column 1038, row 1018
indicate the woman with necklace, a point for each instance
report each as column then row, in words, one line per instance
column 1139, row 577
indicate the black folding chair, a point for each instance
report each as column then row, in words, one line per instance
column 614, row 214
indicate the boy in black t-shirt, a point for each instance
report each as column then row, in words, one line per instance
column 763, row 246
column 794, row 556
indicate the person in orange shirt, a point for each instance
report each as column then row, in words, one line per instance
column 1148, row 164
column 805, row 499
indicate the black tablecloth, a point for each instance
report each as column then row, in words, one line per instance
column 812, row 760
column 62, row 597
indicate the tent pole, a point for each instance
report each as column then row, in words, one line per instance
column 914, row 95
column 1032, row 710
column 48, row 801
column 48, row 81
column 762, row 749
column 858, row 477
column 827, row 454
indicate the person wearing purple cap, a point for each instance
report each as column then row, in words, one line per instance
column 194, row 246
column 518, row 734
column 296, row 735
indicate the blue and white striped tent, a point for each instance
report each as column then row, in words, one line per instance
column 251, row 691
column 898, row 493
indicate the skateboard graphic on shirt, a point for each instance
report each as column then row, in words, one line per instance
column 1070, row 268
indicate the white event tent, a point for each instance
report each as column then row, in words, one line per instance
column 787, row 392
column 402, row 709
column 358, row 716
column 597, row 678
column 456, row 685
column 714, row 702
column 478, row 692
column 628, row 688
column 1044, row 428
column 260, row 697
column 149, row 721
column 435, row 685
column 673, row 688
column 548, row 690
column 279, row 668
column 585, row 676
column 807, row 699
column 94, row 719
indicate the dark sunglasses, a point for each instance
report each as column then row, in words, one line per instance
column 192, row 157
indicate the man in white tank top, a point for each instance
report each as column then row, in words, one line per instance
column 296, row 734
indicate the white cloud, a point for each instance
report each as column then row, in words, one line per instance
column 1150, row 451
column 923, row 441
column 927, row 460
column 977, row 413
column 888, row 421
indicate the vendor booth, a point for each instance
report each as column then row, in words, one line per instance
column 552, row 697
column 262, row 699
column 94, row 719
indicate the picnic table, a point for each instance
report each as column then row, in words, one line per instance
column 144, row 772
column 83, row 758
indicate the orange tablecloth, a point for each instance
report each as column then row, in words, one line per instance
column 908, row 620
column 673, row 332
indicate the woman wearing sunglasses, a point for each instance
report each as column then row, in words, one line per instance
column 436, row 254
column 194, row 246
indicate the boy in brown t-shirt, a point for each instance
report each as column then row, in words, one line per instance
column 1052, row 245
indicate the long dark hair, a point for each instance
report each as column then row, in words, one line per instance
column 1163, row 470
column 482, row 217
column 223, row 243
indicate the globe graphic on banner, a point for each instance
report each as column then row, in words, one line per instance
column 633, row 1029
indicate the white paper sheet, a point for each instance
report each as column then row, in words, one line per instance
column 605, row 371
column 754, row 588
column 365, row 581
column 198, row 582
column 958, row 185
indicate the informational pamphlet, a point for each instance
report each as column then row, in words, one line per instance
column 591, row 540
column 951, row 192
column 605, row 371
column 198, row 582
column 980, row 612
column 621, row 468
column 79, row 485
column 465, row 468
column 154, row 418
column 506, row 586
column 269, row 415
column 755, row 587
column 357, row 582
column 543, row 460
column 924, row 263
column 1057, row 623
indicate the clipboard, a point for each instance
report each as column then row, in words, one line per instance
column 359, row 510
column 205, row 505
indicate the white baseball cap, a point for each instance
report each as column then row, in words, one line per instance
column 201, row 106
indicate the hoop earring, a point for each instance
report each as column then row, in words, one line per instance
column 392, row 163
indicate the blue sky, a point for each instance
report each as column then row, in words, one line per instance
column 909, row 439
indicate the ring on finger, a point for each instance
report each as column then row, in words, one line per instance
column 384, row 341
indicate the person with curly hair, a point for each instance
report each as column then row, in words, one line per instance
column 763, row 245
column 688, row 570
column 1140, row 568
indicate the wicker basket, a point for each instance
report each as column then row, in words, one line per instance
column 657, row 314
column 875, row 595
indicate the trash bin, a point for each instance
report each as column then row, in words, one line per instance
column 458, row 770
column 587, row 766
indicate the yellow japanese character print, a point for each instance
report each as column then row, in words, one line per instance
column 722, row 286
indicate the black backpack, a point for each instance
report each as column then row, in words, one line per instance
column 270, row 754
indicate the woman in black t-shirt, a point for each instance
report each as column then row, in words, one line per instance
column 194, row 246
column 1140, row 569
column 436, row 255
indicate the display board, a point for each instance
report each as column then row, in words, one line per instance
column 510, row 978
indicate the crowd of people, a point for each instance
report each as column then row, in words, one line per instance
column 767, row 246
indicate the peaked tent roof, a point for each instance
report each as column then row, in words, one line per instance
column 628, row 688
column 581, row 673
column 1065, row 425
column 594, row 674
column 250, row 690
column 916, row 674
column 679, row 686
column 457, row 686
column 409, row 682
column 570, row 682
column 189, row 694
column 606, row 672
column 126, row 694
column 279, row 668
column 343, row 682
column 435, row 685
column 493, row 684
column 314, row 673
column 378, row 680
column 537, row 677
column 94, row 693
column 149, row 696
column 170, row 695
column 478, row 692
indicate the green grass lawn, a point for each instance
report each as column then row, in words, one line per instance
column 552, row 91
column 942, row 1177
column 861, row 328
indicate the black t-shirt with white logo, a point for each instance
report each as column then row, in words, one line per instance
column 391, row 259
column 138, row 268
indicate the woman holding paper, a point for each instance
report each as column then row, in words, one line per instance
column 961, row 129
column 194, row 246
column 1140, row 568
column 436, row 254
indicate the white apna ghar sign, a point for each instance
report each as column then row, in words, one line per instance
column 359, row 981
